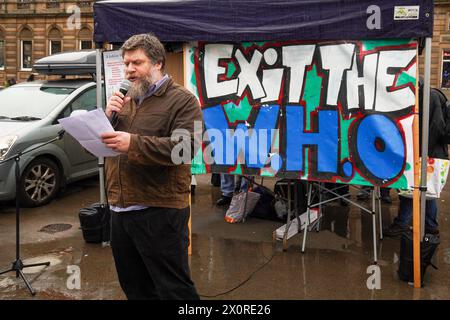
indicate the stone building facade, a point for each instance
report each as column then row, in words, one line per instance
column 32, row 29
column 440, row 50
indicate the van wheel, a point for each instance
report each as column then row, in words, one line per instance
column 39, row 183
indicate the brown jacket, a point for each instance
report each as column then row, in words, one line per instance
column 146, row 175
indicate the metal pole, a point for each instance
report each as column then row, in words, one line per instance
column 308, row 212
column 425, row 135
column 379, row 212
column 17, row 173
column 101, row 160
column 419, row 206
column 374, row 227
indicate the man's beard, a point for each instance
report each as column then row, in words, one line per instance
column 140, row 87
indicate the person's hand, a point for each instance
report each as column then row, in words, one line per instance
column 117, row 140
column 116, row 103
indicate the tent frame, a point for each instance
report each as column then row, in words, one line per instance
column 418, row 201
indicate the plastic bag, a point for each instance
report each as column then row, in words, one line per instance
column 235, row 212
column 437, row 172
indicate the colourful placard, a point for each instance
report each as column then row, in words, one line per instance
column 338, row 111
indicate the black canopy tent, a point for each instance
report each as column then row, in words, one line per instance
column 259, row 20
column 264, row 20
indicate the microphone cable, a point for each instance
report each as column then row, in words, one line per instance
column 243, row 282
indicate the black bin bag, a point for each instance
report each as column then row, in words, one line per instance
column 427, row 249
column 95, row 222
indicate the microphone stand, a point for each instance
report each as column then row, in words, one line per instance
column 18, row 265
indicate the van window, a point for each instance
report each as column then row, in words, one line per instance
column 86, row 101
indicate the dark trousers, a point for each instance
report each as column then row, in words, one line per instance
column 405, row 212
column 150, row 252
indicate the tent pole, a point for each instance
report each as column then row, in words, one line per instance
column 416, row 203
column 425, row 133
column 419, row 206
column 185, row 84
column 101, row 160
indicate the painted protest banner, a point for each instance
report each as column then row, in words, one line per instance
column 326, row 111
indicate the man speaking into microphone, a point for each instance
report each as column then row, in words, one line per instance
column 148, row 194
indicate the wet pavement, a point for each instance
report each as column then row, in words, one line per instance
column 228, row 261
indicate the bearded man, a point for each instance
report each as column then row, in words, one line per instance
column 148, row 193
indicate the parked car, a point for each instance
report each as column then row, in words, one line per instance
column 29, row 114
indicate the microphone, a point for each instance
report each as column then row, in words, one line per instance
column 124, row 87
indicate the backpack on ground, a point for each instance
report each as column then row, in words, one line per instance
column 264, row 208
column 427, row 249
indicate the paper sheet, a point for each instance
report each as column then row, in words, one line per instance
column 86, row 128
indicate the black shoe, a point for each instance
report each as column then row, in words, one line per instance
column 394, row 230
column 223, row 201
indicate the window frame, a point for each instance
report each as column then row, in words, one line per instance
column 67, row 110
column 22, row 68
column 50, row 46
column 4, row 54
column 444, row 60
column 448, row 23
column 80, row 44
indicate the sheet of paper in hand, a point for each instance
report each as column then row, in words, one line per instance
column 86, row 128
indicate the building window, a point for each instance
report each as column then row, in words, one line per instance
column 446, row 69
column 116, row 46
column 2, row 51
column 2, row 54
column 85, row 44
column 26, row 49
column 55, row 46
column 23, row 4
column 85, row 38
column 84, row 3
column 26, row 53
column 52, row 4
column 55, row 42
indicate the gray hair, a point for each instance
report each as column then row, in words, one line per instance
column 151, row 45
